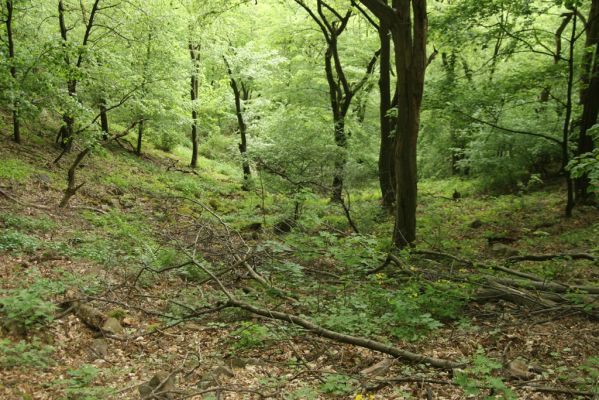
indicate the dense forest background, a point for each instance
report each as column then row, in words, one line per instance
column 417, row 179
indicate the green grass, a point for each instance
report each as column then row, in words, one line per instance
column 15, row 170
column 26, row 223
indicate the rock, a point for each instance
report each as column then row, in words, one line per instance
column 237, row 362
column 501, row 249
column 222, row 371
column 155, row 388
column 43, row 179
column 378, row 369
column 99, row 348
column 518, row 369
column 112, row 325
column 207, row 381
column 477, row 223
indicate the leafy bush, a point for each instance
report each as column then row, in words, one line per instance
column 24, row 354
column 338, row 385
column 79, row 385
column 23, row 310
column 250, row 335
column 482, row 374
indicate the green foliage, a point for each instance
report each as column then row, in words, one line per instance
column 250, row 335
column 15, row 169
column 17, row 242
column 25, row 354
column 24, row 310
column 338, row 385
column 303, row 393
column 482, row 374
column 27, row 223
column 79, row 384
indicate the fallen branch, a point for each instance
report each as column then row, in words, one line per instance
column 546, row 257
column 348, row 339
column 329, row 334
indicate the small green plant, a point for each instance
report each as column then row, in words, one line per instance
column 303, row 393
column 25, row 223
column 25, row 354
column 338, row 385
column 15, row 170
column 79, row 384
column 24, row 310
column 482, row 376
column 17, row 242
column 590, row 370
column 250, row 335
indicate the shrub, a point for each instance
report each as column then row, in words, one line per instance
column 12, row 240
column 24, row 310
column 24, row 354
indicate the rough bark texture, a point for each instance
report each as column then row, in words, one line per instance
column 589, row 95
column 408, row 22
column 387, row 145
column 241, row 93
column 104, row 119
column 72, row 187
column 194, row 53
column 16, row 123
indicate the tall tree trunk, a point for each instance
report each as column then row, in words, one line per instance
column 140, row 134
column 243, row 145
column 387, row 144
column 16, row 123
column 194, row 52
column 410, row 53
column 340, row 161
column 589, row 95
column 568, row 120
column 104, row 119
column 409, row 37
column 241, row 93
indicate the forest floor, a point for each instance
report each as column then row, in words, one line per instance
column 117, row 249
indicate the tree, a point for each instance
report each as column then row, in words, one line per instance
column 407, row 20
column 242, row 93
column 332, row 24
column 589, row 93
column 65, row 135
column 16, row 123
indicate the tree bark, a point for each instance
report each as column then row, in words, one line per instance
column 66, row 131
column 241, row 93
column 194, row 52
column 408, row 22
column 72, row 188
column 140, row 134
column 589, row 95
column 568, row 120
column 387, row 144
column 104, row 119
column 16, row 123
